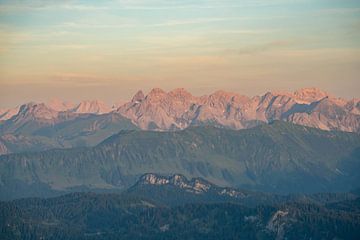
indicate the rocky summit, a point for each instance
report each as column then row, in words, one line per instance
column 178, row 109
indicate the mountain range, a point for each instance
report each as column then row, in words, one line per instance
column 179, row 109
column 57, row 124
column 278, row 157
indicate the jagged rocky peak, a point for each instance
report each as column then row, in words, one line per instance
column 217, row 104
column 153, row 179
column 2, row 111
column 178, row 109
column 308, row 95
column 302, row 96
column 180, row 93
column 92, row 106
column 266, row 98
column 138, row 97
column 278, row 97
column 221, row 95
column 178, row 178
column 196, row 185
column 6, row 114
column 37, row 111
column 26, row 107
column 353, row 106
column 156, row 179
column 156, row 93
column 201, row 185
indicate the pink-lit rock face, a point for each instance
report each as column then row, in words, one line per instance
column 94, row 106
column 6, row 114
column 353, row 106
column 160, row 109
column 36, row 111
column 179, row 109
column 309, row 95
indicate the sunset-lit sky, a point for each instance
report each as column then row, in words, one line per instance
column 108, row 50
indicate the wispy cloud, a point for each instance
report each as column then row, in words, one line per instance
column 67, row 78
column 131, row 23
column 195, row 21
column 168, row 5
column 248, row 31
column 7, row 7
column 215, row 19
column 94, row 25
column 28, row 7
column 253, row 49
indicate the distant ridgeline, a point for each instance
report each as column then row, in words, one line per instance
column 56, row 124
column 279, row 157
column 174, row 207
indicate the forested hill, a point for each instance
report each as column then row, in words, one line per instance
column 280, row 157
column 138, row 214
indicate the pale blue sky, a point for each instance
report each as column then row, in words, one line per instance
column 108, row 49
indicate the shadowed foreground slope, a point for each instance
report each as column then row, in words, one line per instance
column 202, row 212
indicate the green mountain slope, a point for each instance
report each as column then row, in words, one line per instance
column 280, row 157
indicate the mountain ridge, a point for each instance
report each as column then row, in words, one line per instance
column 177, row 109
column 277, row 157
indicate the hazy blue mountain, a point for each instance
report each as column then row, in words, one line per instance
column 20, row 143
column 38, row 127
column 280, row 157
column 86, row 129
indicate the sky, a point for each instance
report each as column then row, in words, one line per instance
column 76, row 50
